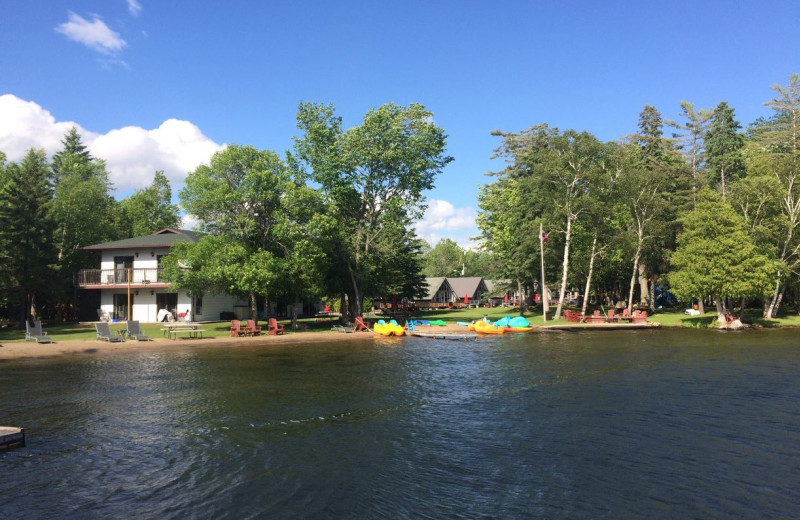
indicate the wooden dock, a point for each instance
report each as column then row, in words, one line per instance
column 11, row 437
column 443, row 335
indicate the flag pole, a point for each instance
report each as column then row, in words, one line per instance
column 545, row 306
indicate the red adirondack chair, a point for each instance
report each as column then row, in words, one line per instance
column 360, row 324
column 251, row 329
column 236, row 328
column 273, row 327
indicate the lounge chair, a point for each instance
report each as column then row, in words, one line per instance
column 236, row 329
column 104, row 333
column 251, row 329
column 360, row 324
column 273, row 327
column 135, row 332
column 33, row 331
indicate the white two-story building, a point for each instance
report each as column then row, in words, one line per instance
column 131, row 286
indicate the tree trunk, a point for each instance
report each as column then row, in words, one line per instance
column 589, row 277
column 253, row 306
column 564, row 269
column 772, row 308
column 523, row 307
column 720, row 311
column 344, row 311
column 294, row 316
column 644, row 293
column 355, row 302
column 633, row 275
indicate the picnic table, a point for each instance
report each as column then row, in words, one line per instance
column 173, row 329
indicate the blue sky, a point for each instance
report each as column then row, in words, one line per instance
column 162, row 85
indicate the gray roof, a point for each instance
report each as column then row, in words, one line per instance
column 163, row 238
column 434, row 284
column 469, row 285
column 499, row 287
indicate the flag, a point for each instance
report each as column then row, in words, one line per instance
column 544, row 237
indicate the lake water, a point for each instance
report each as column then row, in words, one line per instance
column 647, row 424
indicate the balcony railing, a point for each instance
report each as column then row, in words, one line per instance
column 117, row 277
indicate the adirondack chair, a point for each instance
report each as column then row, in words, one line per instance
column 626, row 314
column 104, row 332
column 359, row 324
column 251, row 329
column 639, row 317
column 135, row 332
column 273, row 327
column 236, row 329
column 33, row 331
column 612, row 316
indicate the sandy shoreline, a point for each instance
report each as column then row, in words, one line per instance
column 29, row 349
column 23, row 350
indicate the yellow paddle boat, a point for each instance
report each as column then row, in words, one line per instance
column 388, row 329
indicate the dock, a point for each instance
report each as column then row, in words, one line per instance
column 11, row 437
column 444, row 335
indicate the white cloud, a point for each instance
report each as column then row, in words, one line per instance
column 132, row 153
column 443, row 220
column 134, row 7
column 95, row 34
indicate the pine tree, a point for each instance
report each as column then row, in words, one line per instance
column 724, row 145
column 26, row 231
column 73, row 147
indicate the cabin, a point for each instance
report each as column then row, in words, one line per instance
column 131, row 286
column 448, row 292
column 472, row 287
column 503, row 293
column 439, row 293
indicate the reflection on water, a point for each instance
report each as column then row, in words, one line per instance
column 650, row 424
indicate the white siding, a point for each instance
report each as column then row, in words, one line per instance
column 213, row 304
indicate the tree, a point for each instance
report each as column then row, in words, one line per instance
column 716, row 256
column 149, row 209
column 445, row 259
column 651, row 133
column 724, row 145
column 26, row 232
column 373, row 176
column 549, row 178
column 83, row 214
column 692, row 141
column 775, row 153
column 265, row 233
column 73, row 148
column 657, row 192
column 510, row 227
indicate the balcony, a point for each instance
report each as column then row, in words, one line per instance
column 120, row 278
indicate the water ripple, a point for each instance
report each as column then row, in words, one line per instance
column 587, row 425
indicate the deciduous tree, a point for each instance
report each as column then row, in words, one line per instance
column 374, row 176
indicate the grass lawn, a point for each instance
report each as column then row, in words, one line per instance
column 667, row 318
